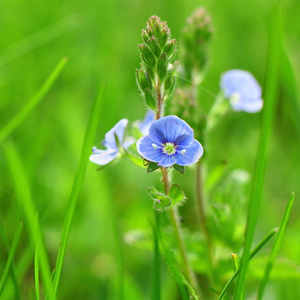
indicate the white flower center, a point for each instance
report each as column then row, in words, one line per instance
column 169, row 148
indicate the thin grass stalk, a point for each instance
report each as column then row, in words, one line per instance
column 267, row 125
column 13, row 269
column 26, row 201
column 10, row 259
column 33, row 102
column 276, row 246
column 252, row 254
column 77, row 184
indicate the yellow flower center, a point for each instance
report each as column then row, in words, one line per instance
column 169, row 148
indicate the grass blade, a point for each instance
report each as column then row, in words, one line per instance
column 11, row 256
column 16, row 121
column 290, row 88
column 38, row 39
column 26, row 201
column 13, row 269
column 78, row 181
column 36, row 268
column 252, row 254
column 276, row 246
column 267, row 124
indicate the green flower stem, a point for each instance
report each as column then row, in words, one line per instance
column 174, row 216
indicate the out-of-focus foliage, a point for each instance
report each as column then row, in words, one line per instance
column 100, row 39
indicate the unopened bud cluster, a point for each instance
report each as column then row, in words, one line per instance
column 197, row 34
column 156, row 77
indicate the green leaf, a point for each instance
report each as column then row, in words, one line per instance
column 152, row 167
column 162, row 201
column 176, row 194
column 176, row 274
column 180, row 169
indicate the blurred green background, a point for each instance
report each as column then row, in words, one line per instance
column 100, row 39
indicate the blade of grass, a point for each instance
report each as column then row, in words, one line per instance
column 290, row 88
column 38, row 39
column 22, row 267
column 77, row 184
column 36, row 268
column 276, row 246
column 267, row 125
column 11, row 256
column 252, row 254
column 32, row 103
column 13, row 269
column 26, row 201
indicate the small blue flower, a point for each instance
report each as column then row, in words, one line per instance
column 243, row 91
column 170, row 141
column 103, row 157
column 144, row 126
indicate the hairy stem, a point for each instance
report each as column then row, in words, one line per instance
column 159, row 100
column 175, row 220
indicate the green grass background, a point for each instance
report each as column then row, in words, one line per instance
column 100, row 39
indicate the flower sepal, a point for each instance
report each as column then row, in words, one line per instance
column 180, row 169
column 152, row 166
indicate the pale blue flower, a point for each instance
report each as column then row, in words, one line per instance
column 144, row 126
column 243, row 91
column 170, row 141
column 103, row 157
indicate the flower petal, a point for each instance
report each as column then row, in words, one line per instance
column 167, row 161
column 144, row 126
column 119, row 130
column 149, row 150
column 248, row 105
column 241, row 82
column 129, row 140
column 171, row 129
column 190, row 154
column 103, row 157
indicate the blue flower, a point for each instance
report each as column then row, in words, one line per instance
column 243, row 91
column 144, row 126
column 103, row 157
column 170, row 141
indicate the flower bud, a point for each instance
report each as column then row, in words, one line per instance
column 153, row 45
column 144, row 80
column 170, row 47
column 197, row 34
column 150, row 100
column 162, row 67
column 147, row 55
